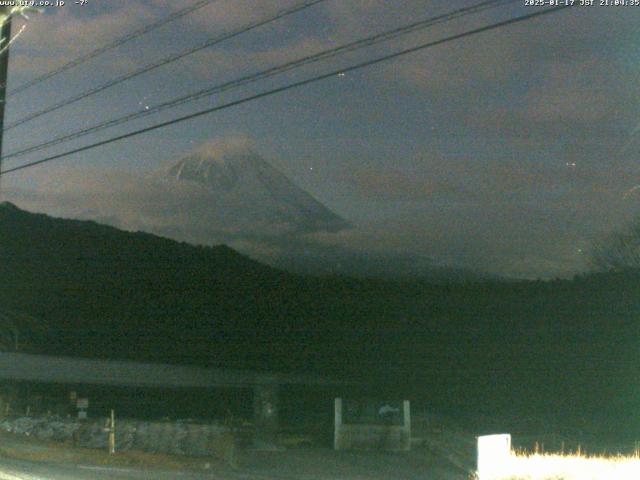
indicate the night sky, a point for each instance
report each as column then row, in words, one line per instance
column 507, row 151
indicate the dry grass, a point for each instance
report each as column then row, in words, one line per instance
column 577, row 466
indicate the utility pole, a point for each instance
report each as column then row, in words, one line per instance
column 5, row 39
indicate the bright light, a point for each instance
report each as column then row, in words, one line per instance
column 521, row 466
column 494, row 452
column 13, row 12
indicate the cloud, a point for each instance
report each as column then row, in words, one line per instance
column 394, row 185
column 228, row 145
column 522, row 167
column 182, row 209
column 565, row 67
column 502, row 237
column 493, row 179
column 59, row 36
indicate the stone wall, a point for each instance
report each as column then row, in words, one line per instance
column 173, row 437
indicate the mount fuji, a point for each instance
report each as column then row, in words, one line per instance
column 247, row 194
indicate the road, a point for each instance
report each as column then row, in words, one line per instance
column 23, row 470
column 312, row 463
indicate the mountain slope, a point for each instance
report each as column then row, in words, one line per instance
column 519, row 348
column 251, row 191
column 107, row 292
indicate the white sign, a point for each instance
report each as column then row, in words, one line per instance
column 493, row 455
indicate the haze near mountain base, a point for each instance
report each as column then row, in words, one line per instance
column 225, row 192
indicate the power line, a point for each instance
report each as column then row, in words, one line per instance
column 165, row 61
column 291, row 86
column 110, row 46
column 323, row 55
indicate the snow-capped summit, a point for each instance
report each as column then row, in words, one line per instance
column 248, row 190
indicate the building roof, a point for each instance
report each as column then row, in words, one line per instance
column 50, row 369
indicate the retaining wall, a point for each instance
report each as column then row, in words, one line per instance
column 174, row 437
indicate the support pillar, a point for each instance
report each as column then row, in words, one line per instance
column 337, row 425
column 9, row 397
column 265, row 412
column 5, row 39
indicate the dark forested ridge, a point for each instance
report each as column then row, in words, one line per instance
column 567, row 348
